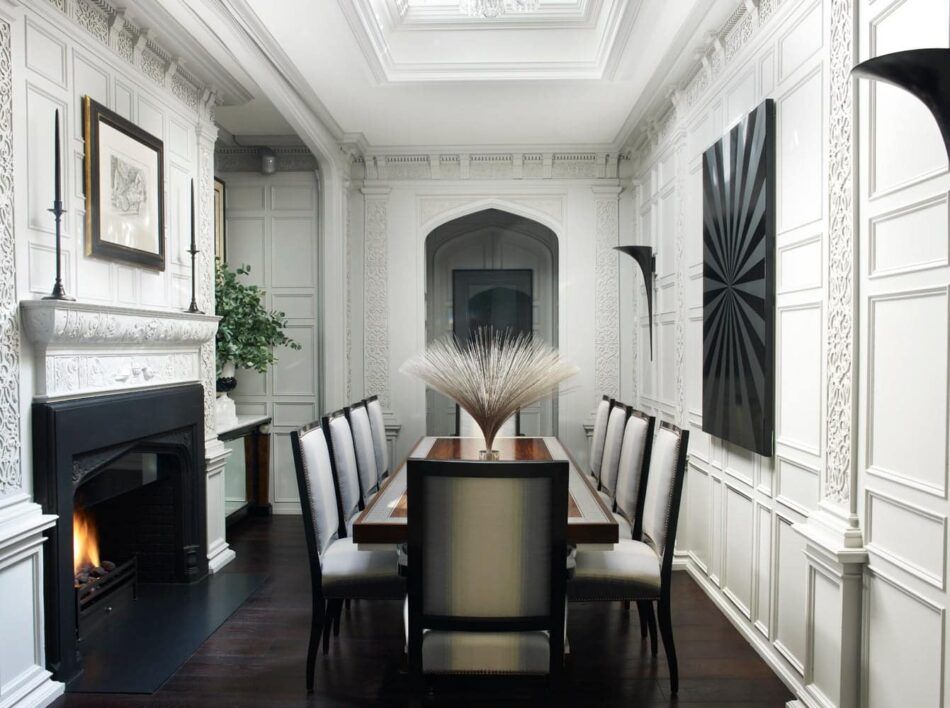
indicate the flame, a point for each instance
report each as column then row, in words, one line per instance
column 85, row 541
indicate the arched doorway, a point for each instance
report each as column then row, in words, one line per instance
column 491, row 268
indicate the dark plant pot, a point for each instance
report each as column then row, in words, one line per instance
column 226, row 384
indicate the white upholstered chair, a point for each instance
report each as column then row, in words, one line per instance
column 599, row 436
column 466, row 427
column 343, row 455
column 375, row 411
column 338, row 570
column 613, row 442
column 487, row 542
column 362, row 430
column 634, row 463
column 641, row 570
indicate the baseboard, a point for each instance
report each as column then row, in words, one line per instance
column 37, row 693
column 220, row 558
column 765, row 650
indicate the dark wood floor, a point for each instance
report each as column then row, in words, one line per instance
column 257, row 657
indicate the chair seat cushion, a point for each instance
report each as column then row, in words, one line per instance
column 484, row 652
column 351, row 573
column 630, row 571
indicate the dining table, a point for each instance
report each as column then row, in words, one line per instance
column 384, row 521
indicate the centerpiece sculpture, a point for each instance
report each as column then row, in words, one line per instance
column 491, row 375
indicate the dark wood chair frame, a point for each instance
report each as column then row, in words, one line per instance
column 366, row 401
column 458, row 425
column 558, row 472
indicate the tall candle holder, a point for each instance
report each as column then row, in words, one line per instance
column 193, row 307
column 58, row 292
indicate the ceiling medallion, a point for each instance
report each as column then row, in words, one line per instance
column 496, row 8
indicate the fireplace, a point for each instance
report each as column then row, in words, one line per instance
column 125, row 475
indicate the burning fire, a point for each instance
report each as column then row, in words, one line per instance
column 85, row 541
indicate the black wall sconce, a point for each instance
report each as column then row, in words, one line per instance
column 643, row 255
column 922, row 72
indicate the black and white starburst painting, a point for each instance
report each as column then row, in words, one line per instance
column 739, row 283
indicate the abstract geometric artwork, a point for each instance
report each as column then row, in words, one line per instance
column 739, row 283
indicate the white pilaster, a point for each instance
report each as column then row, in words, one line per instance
column 216, row 459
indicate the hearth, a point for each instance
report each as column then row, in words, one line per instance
column 124, row 474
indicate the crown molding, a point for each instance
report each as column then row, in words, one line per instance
column 568, row 14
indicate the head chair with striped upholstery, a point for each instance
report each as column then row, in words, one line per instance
column 487, row 575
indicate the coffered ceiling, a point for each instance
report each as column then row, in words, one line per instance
column 419, row 74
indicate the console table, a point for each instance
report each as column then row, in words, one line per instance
column 256, row 464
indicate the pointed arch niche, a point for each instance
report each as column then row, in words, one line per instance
column 492, row 241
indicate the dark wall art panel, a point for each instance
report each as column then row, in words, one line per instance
column 739, row 283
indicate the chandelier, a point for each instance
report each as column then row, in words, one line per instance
column 496, row 8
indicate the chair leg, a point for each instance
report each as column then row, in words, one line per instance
column 646, row 606
column 626, row 605
column 316, row 627
column 336, row 618
column 666, row 631
column 328, row 623
column 347, row 604
column 644, row 623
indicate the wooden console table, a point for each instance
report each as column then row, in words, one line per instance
column 256, row 464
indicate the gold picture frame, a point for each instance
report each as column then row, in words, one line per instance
column 220, row 227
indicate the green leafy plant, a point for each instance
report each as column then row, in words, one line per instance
column 247, row 332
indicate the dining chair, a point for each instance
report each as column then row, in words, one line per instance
column 339, row 437
column 632, row 470
column 466, row 427
column 613, row 442
column 338, row 569
column 486, row 575
column 641, row 570
column 363, row 446
column 599, row 435
column 375, row 411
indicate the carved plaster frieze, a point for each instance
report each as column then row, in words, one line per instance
column 839, row 334
column 375, row 296
column 10, row 475
column 606, row 301
column 205, row 265
column 81, row 349
column 490, row 166
column 112, row 27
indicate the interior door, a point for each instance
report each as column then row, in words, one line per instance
column 501, row 300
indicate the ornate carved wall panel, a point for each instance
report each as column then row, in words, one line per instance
column 375, row 297
column 606, row 302
column 10, row 475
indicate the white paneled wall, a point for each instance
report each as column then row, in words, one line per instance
column 749, row 523
column 903, row 425
column 272, row 227
column 737, row 536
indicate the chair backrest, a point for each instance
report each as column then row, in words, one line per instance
column 599, row 435
column 613, row 442
column 375, row 411
column 319, row 500
column 634, row 467
column 363, row 446
column 487, row 544
column 664, row 489
column 343, row 455
column 466, row 427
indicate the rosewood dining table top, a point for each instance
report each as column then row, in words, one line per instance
column 384, row 520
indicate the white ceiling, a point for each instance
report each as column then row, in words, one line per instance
column 415, row 73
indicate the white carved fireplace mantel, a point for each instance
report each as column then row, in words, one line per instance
column 83, row 349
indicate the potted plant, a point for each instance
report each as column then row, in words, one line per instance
column 247, row 333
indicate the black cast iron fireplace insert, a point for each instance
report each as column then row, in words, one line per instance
column 130, row 465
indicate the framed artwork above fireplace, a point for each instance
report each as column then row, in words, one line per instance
column 124, row 175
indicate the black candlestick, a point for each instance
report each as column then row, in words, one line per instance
column 193, row 307
column 59, row 292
